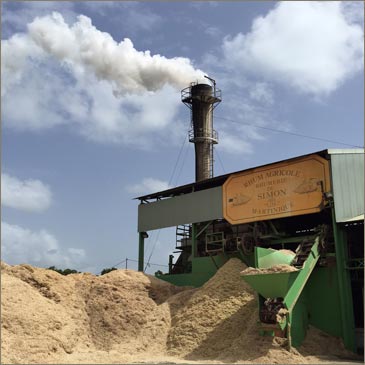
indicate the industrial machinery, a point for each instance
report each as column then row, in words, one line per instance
column 284, row 310
column 312, row 205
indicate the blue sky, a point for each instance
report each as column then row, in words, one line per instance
column 92, row 117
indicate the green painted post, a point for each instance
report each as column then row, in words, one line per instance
column 344, row 284
column 142, row 236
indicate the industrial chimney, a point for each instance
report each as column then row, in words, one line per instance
column 202, row 99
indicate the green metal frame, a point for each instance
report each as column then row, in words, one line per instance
column 287, row 285
column 295, row 299
column 344, row 284
column 215, row 239
column 324, row 306
column 203, row 268
column 297, row 287
column 328, row 288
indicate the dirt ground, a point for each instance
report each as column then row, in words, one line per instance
column 127, row 316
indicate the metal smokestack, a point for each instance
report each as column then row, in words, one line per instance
column 202, row 99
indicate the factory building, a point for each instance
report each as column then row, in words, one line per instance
column 306, row 213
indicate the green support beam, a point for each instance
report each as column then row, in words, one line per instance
column 344, row 284
column 142, row 236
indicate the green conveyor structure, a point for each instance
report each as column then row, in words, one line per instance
column 288, row 287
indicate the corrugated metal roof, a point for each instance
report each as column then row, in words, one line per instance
column 347, row 171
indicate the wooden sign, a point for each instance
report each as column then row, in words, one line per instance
column 275, row 191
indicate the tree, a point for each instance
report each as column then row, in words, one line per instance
column 63, row 272
column 109, row 269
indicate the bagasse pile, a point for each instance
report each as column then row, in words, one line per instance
column 48, row 317
column 126, row 316
column 212, row 317
column 271, row 270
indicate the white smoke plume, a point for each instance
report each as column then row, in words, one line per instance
column 86, row 49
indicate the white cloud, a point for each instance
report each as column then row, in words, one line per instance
column 148, row 185
column 39, row 99
column 262, row 92
column 311, row 46
column 76, row 253
column 134, row 120
column 28, row 195
column 240, row 115
column 20, row 245
column 16, row 53
column 233, row 144
column 94, row 112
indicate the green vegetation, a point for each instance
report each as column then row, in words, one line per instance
column 71, row 271
column 105, row 271
column 63, row 272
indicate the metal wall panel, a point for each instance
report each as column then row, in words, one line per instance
column 195, row 207
column 348, row 184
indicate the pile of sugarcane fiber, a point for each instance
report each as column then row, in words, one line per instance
column 219, row 322
column 47, row 317
column 127, row 316
column 271, row 270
